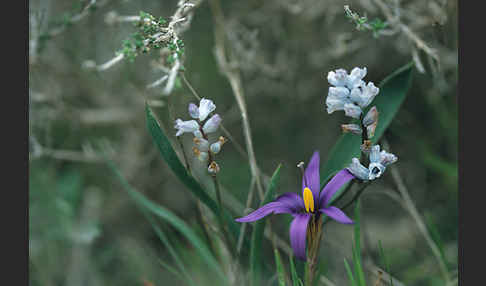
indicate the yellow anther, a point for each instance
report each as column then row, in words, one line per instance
column 308, row 200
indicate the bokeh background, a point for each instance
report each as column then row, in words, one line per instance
column 85, row 230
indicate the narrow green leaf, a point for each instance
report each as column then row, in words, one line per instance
column 393, row 90
column 293, row 271
column 163, row 238
column 257, row 235
column 173, row 220
column 280, row 268
column 384, row 261
column 350, row 273
column 171, row 270
column 357, row 246
column 171, row 158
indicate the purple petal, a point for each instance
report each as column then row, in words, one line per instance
column 312, row 176
column 273, row 207
column 291, row 200
column 341, row 178
column 336, row 214
column 298, row 234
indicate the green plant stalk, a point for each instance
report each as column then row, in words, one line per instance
column 314, row 236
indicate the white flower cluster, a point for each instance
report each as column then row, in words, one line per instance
column 349, row 92
column 378, row 162
column 200, row 127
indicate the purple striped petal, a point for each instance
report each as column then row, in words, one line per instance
column 298, row 234
column 292, row 200
column 312, row 176
column 273, row 207
column 341, row 178
column 336, row 214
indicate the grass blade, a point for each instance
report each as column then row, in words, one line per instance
column 384, row 261
column 357, row 246
column 257, row 235
column 350, row 273
column 173, row 220
column 280, row 268
column 293, row 271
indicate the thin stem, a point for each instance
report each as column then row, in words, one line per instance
column 234, row 78
column 356, row 196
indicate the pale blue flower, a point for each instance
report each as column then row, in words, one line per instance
column 185, row 126
column 378, row 163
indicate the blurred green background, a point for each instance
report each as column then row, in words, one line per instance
column 85, row 230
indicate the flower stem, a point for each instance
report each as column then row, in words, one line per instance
column 314, row 235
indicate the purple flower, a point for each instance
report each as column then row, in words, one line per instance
column 312, row 203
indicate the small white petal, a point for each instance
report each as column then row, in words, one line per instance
column 375, row 154
column 334, row 104
column 356, row 77
column 201, row 143
column 338, row 92
column 193, row 110
column 352, row 110
column 353, row 128
column 212, row 124
column 185, row 126
column 369, row 93
column 371, row 117
column 358, row 170
column 375, row 170
column 338, row 78
column 387, row 158
column 206, row 106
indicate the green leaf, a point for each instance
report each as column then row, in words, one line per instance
column 280, row 268
column 357, row 246
column 172, row 160
column 173, row 220
column 350, row 273
column 293, row 271
column 257, row 235
column 165, row 240
column 384, row 261
column 393, row 90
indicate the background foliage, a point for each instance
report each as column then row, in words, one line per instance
column 86, row 230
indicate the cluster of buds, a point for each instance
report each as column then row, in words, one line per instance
column 200, row 126
column 351, row 94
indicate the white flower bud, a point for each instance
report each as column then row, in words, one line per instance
column 375, row 154
column 206, row 106
column 201, row 156
column 212, row 124
column 334, row 104
column 387, row 158
column 371, row 117
column 198, row 134
column 213, row 168
column 356, row 76
column 185, row 126
column 368, row 94
column 338, row 78
column 353, row 128
column 215, row 147
column 193, row 111
column 201, row 143
column 352, row 110
column 358, row 170
column 338, row 92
